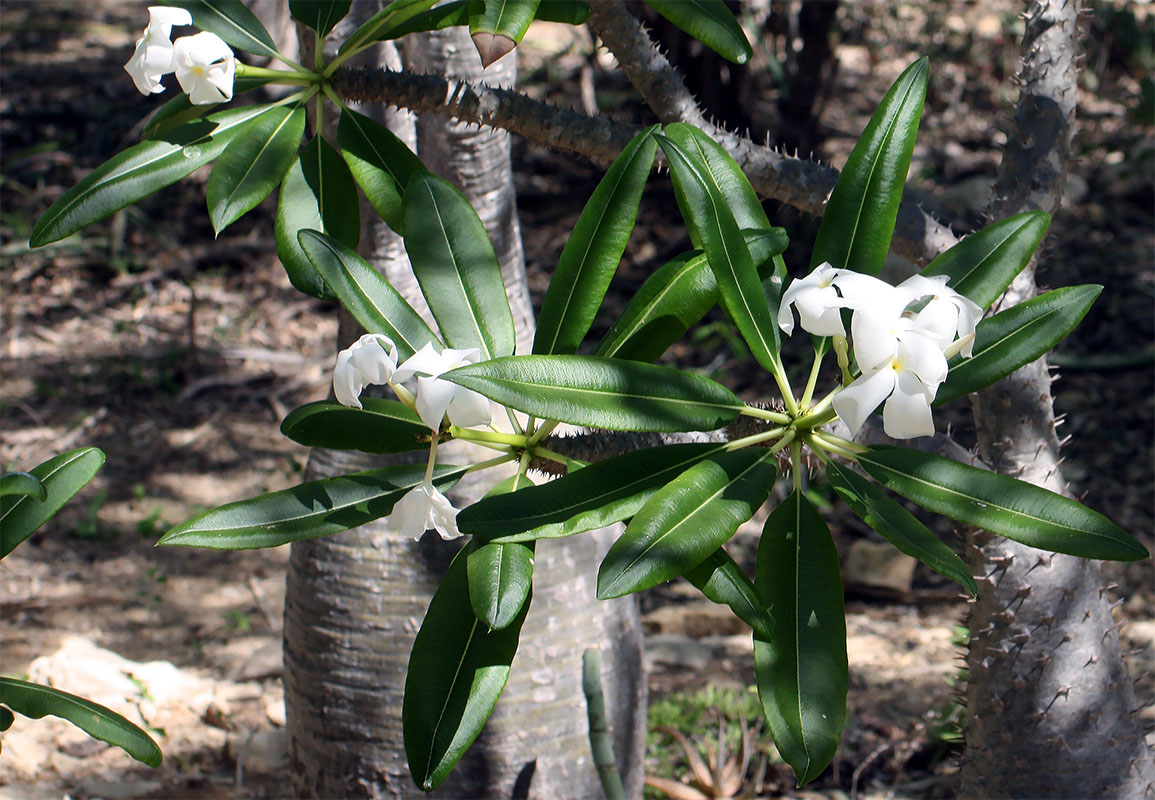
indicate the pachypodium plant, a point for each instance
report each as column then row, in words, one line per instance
column 906, row 348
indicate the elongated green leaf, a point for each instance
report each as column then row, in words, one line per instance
column 567, row 12
column 320, row 15
column 318, row 193
column 6, row 719
column 233, row 22
column 1015, row 337
column 440, row 17
column 897, row 525
column 36, row 701
column 366, row 294
column 721, row 580
column 1002, row 505
column 710, row 22
column 306, row 511
column 801, row 668
column 62, row 476
column 454, row 262
column 983, row 264
column 23, row 484
column 457, row 671
column 497, row 26
column 602, row 392
column 708, row 212
column 859, row 220
column 687, row 520
column 141, row 170
column 177, row 110
column 252, row 165
column 381, row 164
column 500, row 576
column 385, row 24
column 722, row 175
column 676, row 296
column 592, row 497
column 382, row 426
column 594, row 249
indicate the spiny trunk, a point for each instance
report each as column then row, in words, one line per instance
column 355, row 600
column 1051, row 709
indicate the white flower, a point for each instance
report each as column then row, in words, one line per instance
column 817, row 301
column 424, row 508
column 947, row 314
column 205, row 67
column 153, row 55
column 907, row 381
column 371, row 360
column 435, row 397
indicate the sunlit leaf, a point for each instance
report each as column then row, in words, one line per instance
column 497, row 26
column 232, row 21
column 320, row 15
column 711, row 22
column 23, row 484
column 62, row 477
column 1014, row 509
column 721, row 580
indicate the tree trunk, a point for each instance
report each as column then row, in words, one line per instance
column 355, row 600
column 1051, row 709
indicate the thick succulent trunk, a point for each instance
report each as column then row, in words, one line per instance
column 355, row 600
column 1051, row 709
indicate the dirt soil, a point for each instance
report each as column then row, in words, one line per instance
column 178, row 354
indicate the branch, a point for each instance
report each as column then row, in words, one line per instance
column 801, row 184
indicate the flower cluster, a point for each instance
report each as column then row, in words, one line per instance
column 372, row 360
column 902, row 337
column 203, row 63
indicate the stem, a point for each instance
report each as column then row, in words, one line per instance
column 278, row 75
column 771, row 416
column 552, row 456
column 493, row 462
column 432, row 458
column 334, row 97
column 796, row 464
column 808, row 394
column 507, row 439
column 836, row 444
column 318, row 51
column 542, row 432
column 784, row 387
column 757, row 438
column 601, row 745
column 840, row 348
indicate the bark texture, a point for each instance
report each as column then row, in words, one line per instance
column 1051, row 708
column 355, row 600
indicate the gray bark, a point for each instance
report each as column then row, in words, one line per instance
column 355, row 600
column 1051, row 708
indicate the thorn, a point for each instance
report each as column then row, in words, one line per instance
column 1065, row 692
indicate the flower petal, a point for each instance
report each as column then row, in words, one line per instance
column 858, row 400
column 442, row 515
column 907, row 411
column 433, row 399
column 875, row 338
column 468, row 409
column 346, row 387
column 411, row 513
column 425, row 361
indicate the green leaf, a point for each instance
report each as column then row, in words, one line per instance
column 454, row 262
column 320, row 15
column 500, row 577
column 62, row 476
column 177, row 110
column 801, row 668
column 567, row 12
column 722, row 174
column 372, row 301
column 687, row 520
column 382, row 426
column 306, row 511
column 36, row 701
column 385, row 24
column 1015, row 337
column 317, row 193
column 897, row 525
column 457, row 671
column 233, row 22
column 381, row 164
column 707, row 212
column 1014, row 509
column 602, row 392
column 141, row 170
column 983, row 264
column 721, row 580
column 859, row 220
column 24, row 484
column 497, row 26
column 592, row 497
column 676, row 296
column 6, row 719
column 252, row 165
column 594, row 249
column 446, row 15
column 710, row 22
